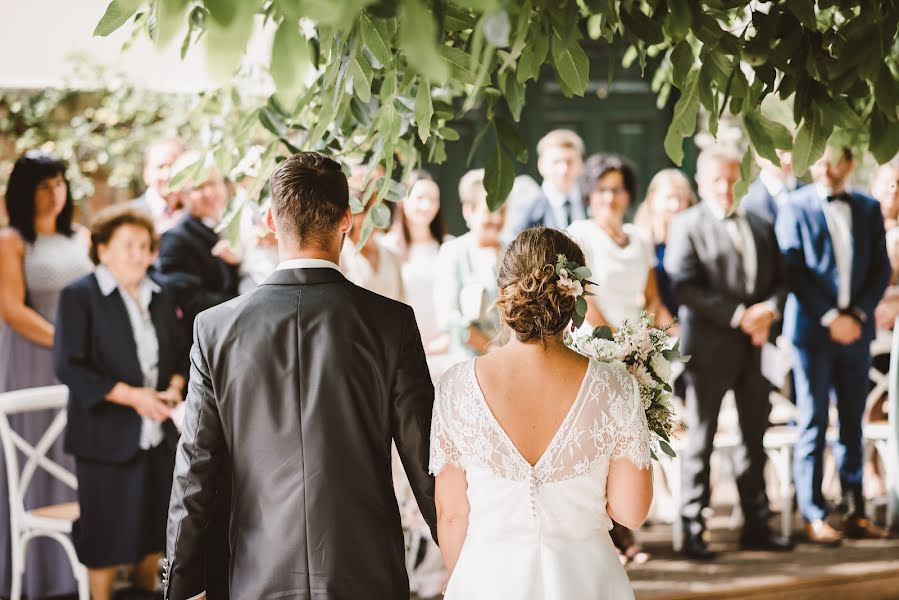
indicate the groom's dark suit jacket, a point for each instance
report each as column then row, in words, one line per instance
column 300, row 386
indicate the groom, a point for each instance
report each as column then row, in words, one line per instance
column 300, row 386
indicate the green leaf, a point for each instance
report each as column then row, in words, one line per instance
column 766, row 135
column 225, row 46
column 811, row 139
column 374, row 36
column 884, row 137
column 497, row 28
column 448, row 134
column 290, row 62
column 169, row 20
column 418, row 40
column 499, row 175
column 460, row 63
column 639, row 25
column 513, row 92
column 680, row 18
column 361, row 72
column 367, row 227
column 223, row 11
column 380, row 216
column 886, row 94
column 187, row 172
column 572, row 65
column 532, row 58
column 682, row 63
column 272, row 121
column 667, row 449
column 742, row 185
column 117, row 14
column 683, row 123
column 804, row 10
column 424, row 110
column 509, row 136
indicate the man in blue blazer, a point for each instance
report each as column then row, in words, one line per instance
column 834, row 247
column 560, row 201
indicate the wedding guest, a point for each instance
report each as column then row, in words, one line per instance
column 621, row 258
column 465, row 291
column 885, row 189
column 730, row 280
column 374, row 267
column 40, row 253
column 416, row 237
column 560, row 201
column 197, row 265
column 669, row 193
column 163, row 203
column 120, row 349
column 833, row 242
column 770, row 190
column 201, row 270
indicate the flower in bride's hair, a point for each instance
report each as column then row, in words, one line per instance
column 569, row 286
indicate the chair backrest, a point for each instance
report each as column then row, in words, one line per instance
column 881, row 345
column 53, row 397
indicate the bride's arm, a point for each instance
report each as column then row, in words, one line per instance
column 452, row 513
column 628, row 493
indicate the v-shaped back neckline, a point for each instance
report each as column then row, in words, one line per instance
column 562, row 426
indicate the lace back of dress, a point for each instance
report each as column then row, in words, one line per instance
column 606, row 421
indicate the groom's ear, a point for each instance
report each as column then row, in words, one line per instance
column 346, row 223
column 270, row 220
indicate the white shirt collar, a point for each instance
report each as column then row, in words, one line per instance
column 307, row 263
column 555, row 197
column 719, row 212
column 108, row 284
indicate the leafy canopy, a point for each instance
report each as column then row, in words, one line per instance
column 384, row 77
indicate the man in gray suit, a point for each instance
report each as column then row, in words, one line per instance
column 300, row 386
column 730, row 280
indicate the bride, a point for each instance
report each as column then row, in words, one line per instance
column 536, row 448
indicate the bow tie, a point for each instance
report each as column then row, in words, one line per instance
column 844, row 197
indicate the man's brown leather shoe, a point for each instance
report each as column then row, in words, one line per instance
column 861, row 528
column 819, row 532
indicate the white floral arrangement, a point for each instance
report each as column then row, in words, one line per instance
column 648, row 353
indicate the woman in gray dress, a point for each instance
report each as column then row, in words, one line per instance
column 40, row 253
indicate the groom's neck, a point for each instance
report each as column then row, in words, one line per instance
column 294, row 251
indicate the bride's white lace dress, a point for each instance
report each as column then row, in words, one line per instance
column 539, row 532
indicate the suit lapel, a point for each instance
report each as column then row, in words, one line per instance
column 815, row 209
column 859, row 226
column 721, row 242
column 115, row 306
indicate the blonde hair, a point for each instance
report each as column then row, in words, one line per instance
column 471, row 188
column 647, row 218
column 531, row 303
column 560, row 138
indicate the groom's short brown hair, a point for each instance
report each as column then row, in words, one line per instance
column 309, row 197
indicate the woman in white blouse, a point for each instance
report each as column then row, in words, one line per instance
column 417, row 233
column 621, row 257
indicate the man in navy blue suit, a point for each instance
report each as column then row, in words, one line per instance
column 833, row 244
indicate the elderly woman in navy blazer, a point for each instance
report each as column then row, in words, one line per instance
column 119, row 347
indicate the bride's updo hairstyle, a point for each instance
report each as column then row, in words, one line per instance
column 530, row 302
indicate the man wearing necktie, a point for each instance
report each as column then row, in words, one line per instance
column 834, row 247
column 730, row 280
column 559, row 202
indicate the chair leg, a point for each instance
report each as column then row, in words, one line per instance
column 19, row 553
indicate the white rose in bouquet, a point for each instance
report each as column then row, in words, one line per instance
column 661, row 366
column 644, row 377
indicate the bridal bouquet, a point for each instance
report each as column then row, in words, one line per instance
column 648, row 353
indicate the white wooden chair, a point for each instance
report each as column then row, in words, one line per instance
column 54, row 521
